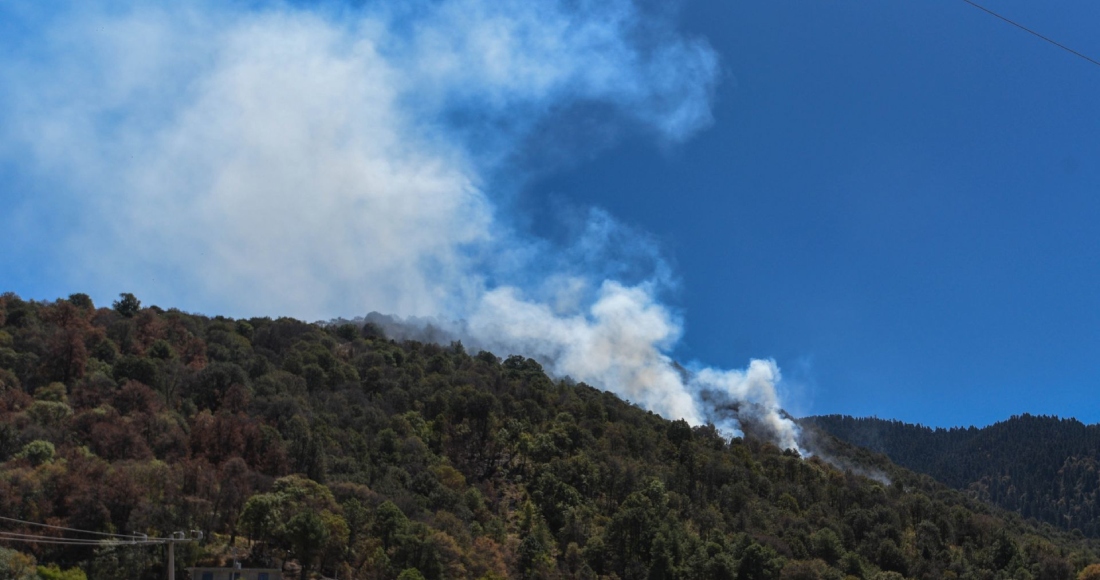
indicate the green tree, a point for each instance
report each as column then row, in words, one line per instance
column 127, row 305
column 307, row 534
column 389, row 524
column 37, row 452
column 16, row 565
column 53, row 572
column 81, row 300
column 827, row 546
column 124, row 562
column 759, row 563
column 260, row 517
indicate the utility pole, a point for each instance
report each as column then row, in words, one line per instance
column 176, row 538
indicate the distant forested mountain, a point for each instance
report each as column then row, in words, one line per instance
column 332, row 449
column 1041, row 467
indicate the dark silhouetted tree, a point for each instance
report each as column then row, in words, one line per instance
column 127, row 305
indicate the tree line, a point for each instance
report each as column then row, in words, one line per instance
column 332, row 449
column 1042, row 467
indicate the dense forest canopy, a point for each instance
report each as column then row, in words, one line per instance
column 1042, row 467
column 332, row 449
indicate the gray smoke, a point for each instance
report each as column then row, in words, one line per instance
column 260, row 158
column 619, row 342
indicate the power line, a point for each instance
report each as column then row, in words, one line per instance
column 1026, row 29
column 114, row 539
column 24, row 522
column 34, row 539
column 41, row 537
column 64, row 542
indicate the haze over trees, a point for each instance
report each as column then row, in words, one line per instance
column 342, row 452
column 1042, row 467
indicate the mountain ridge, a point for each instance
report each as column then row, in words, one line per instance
column 1043, row 467
column 334, row 449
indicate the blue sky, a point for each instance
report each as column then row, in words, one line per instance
column 895, row 202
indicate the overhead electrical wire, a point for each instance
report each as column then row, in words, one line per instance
column 65, row 542
column 104, row 544
column 106, row 539
column 33, row 539
column 74, row 542
column 1030, row 31
column 64, row 529
column 61, row 542
column 41, row 537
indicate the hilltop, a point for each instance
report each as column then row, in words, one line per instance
column 335, row 448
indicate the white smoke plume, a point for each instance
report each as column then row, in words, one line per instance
column 315, row 161
column 622, row 341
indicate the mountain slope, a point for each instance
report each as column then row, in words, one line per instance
column 333, row 448
column 1042, row 467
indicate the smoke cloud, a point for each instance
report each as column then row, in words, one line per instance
column 260, row 159
column 621, row 342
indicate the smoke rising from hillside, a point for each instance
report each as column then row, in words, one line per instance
column 325, row 161
column 622, row 342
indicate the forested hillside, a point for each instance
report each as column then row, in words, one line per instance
column 1042, row 467
column 333, row 448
